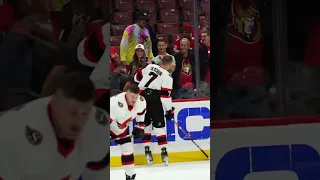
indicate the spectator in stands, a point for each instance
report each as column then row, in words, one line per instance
column 136, row 34
column 203, row 23
column 204, row 58
column 90, row 48
column 139, row 59
column 184, row 74
column 162, row 51
column 186, row 33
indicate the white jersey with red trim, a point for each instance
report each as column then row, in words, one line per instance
column 156, row 78
column 122, row 115
column 31, row 151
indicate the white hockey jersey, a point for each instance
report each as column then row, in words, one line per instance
column 121, row 115
column 100, row 58
column 30, row 149
column 156, row 78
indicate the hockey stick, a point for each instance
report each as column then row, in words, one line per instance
column 189, row 136
column 119, row 138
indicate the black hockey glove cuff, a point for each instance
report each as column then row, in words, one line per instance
column 170, row 114
column 138, row 131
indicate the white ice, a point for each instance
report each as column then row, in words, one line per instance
column 175, row 171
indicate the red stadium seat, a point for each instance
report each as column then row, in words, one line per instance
column 187, row 16
column 205, row 4
column 122, row 18
column 169, row 16
column 167, row 4
column 115, row 40
column 207, row 12
column 186, row 4
column 164, row 36
column 153, row 17
column 124, row 5
column 168, row 28
column 117, row 30
column 146, row 4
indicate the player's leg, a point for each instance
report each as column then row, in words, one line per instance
column 146, row 140
column 159, row 128
column 127, row 156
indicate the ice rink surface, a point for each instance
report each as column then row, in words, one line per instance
column 175, row 171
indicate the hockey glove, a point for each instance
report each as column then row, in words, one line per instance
column 170, row 114
column 138, row 131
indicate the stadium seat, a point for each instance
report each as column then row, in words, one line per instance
column 167, row 4
column 187, row 16
column 207, row 12
column 153, row 17
column 169, row 16
column 117, row 30
column 124, row 5
column 122, row 18
column 115, row 40
column 205, row 4
column 146, row 4
column 168, row 28
column 186, row 4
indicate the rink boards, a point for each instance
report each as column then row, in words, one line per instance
column 193, row 116
column 280, row 148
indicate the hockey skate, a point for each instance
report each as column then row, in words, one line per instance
column 148, row 155
column 164, row 156
column 133, row 177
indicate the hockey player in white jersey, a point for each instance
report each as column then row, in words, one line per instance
column 124, row 107
column 155, row 82
column 59, row 137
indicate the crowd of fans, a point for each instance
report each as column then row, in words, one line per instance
column 43, row 39
column 143, row 42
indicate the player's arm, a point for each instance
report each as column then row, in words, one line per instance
column 99, row 170
column 138, row 131
column 165, row 93
column 124, row 43
column 142, row 110
column 114, row 124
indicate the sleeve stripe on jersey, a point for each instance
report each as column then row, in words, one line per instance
column 142, row 113
column 125, row 123
column 165, row 93
column 111, row 120
column 96, row 166
column 166, row 89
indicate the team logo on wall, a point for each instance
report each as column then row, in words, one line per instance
column 33, row 136
column 245, row 23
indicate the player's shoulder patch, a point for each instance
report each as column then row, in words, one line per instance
column 120, row 104
column 33, row 136
column 141, row 98
column 101, row 117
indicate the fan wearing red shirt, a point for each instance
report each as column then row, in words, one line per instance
column 187, row 33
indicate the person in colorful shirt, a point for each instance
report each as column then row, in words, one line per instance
column 136, row 34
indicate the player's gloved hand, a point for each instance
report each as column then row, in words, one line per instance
column 138, row 131
column 170, row 114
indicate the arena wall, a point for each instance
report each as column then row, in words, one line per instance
column 194, row 116
column 279, row 148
